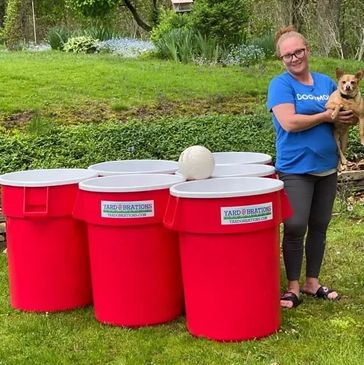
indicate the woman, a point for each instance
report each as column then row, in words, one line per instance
column 306, row 161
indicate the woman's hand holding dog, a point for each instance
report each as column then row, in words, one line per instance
column 344, row 116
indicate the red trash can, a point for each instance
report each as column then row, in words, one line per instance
column 241, row 170
column 135, row 263
column 125, row 167
column 47, row 248
column 229, row 244
column 240, row 157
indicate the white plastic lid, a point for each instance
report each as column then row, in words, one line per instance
column 222, row 158
column 46, row 177
column 130, row 183
column 135, row 167
column 226, row 187
column 235, row 170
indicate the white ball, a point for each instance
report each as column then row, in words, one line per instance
column 196, row 162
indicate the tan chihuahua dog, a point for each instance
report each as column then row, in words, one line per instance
column 346, row 97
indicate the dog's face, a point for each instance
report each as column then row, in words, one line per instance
column 348, row 84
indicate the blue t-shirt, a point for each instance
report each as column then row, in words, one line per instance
column 312, row 150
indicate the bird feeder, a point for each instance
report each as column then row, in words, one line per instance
column 182, row 6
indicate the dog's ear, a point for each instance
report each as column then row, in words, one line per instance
column 339, row 73
column 359, row 75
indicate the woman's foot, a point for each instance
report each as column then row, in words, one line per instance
column 290, row 300
column 313, row 287
column 291, row 297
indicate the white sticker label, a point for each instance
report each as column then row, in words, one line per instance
column 247, row 214
column 133, row 209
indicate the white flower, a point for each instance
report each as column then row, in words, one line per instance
column 126, row 47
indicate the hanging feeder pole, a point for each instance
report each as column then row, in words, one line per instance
column 34, row 28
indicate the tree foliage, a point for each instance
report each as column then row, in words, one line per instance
column 93, row 8
column 100, row 8
column 2, row 12
column 13, row 30
column 224, row 20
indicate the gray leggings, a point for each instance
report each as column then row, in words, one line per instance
column 311, row 198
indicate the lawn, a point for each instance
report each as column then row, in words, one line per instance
column 317, row 332
column 75, row 87
column 49, row 81
column 72, row 88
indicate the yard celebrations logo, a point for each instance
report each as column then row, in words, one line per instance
column 247, row 214
column 134, row 209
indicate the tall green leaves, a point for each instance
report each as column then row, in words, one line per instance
column 186, row 45
column 57, row 37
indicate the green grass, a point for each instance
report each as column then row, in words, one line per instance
column 69, row 87
column 56, row 83
column 317, row 332
column 49, row 81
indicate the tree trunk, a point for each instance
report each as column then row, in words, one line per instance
column 2, row 12
column 298, row 19
column 136, row 16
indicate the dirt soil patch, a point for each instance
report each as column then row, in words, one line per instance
column 101, row 111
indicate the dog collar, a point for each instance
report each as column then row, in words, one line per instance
column 344, row 96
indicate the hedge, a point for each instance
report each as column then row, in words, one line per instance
column 85, row 144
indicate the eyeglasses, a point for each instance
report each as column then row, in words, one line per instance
column 300, row 53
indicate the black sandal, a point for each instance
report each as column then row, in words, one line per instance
column 293, row 298
column 323, row 293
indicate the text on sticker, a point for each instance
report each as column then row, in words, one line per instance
column 127, row 209
column 247, row 214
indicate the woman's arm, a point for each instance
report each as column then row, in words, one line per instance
column 292, row 122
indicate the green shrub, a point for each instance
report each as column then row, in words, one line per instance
column 93, row 8
column 223, row 20
column 12, row 32
column 100, row 32
column 186, row 45
column 266, row 43
column 168, row 20
column 83, row 145
column 208, row 50
column 355, row 150
column 178, row 44
column 57, row 37
column 81, row 44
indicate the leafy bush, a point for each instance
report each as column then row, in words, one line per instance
column 204, row 35
column 57, row 37
column 223, row 20
column 83, row 145
column 12, row 33
column 355, row 150
column 93, row 8
column 177, row 44
column 208, row 50
column 168, row 20
column 81, row 44
column 100, row 32
column 186, row 45
column 244, row 55
column 266, row 43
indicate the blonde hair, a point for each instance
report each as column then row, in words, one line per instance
column 287, row 32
